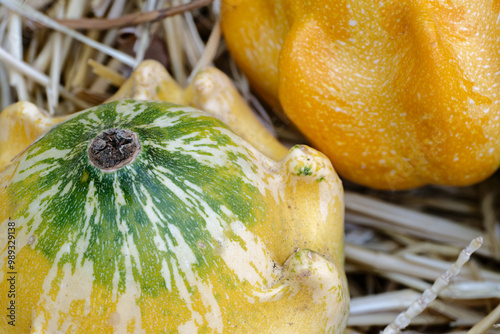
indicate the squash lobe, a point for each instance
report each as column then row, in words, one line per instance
column 398, row 94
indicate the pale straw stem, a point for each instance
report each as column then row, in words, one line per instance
column 15, row 47
column 430, row 294
column 490, row 222
column 209, row 52
column 175, row 46
column 39, row 77
column 36, row 16
column 144, row 31
column 486, row 323
column 379, row 214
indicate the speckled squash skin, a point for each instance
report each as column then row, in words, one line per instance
column 397, row 94
column 200, row 233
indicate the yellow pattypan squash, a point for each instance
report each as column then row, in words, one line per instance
column 152, row 217
column 398, row 94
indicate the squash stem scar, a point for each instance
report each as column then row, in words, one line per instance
column 113, row 148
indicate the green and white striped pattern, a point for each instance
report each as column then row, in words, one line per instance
column 167, row 242
column 162, row 218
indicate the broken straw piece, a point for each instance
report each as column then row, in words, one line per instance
column 404, row 318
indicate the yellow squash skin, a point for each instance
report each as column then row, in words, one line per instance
column 398, row 94
column 291, row 264
column 20, row 125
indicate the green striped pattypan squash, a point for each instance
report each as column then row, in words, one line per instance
column 150, row 217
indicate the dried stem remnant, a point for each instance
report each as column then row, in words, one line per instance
column 113, row 149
